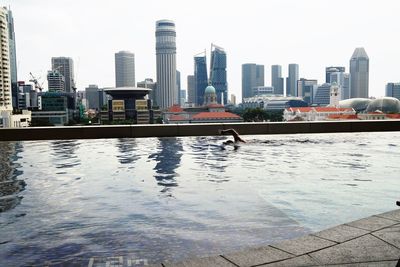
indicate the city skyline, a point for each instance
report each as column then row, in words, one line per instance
column 40, row 36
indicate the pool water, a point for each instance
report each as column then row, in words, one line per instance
column 169, row 199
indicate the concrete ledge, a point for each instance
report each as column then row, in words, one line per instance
column 203, row 129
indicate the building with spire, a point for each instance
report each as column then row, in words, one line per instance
column 167, row 92
column 359, row 74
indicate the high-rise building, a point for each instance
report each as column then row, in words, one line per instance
column 330, row 70
column 359, row 73
column 5, row 77
column 149, row 83
column 276, row 79
column 393, row 90
column 55, row 81
column 65, row 66
column 306, row 89
column 218, row 77
column 178, row 87
column 92, row 97
column 13, row 58
column 343, row 81
column 200, row 78
column 291, row 80
column 191, row 87
column 252, row 76
column 124, row 69
column 166, row 63
column 322, row 95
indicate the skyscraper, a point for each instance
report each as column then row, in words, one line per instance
column 65, row 66
column 13, row 58
column 200, row 78
column 124, row 69
column 92, row 97
column 393, row 90
column 276, row 79
column 359, row 73
column 252, row 76
column 166, row 63
column 306, row 89
column 218, row 73
column 191, row 88
column 5, row 79
column 343, row 81
column 178, row 87
column 330, row 70
column 55, row 81
column 291, row 80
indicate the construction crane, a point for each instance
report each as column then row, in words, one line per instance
column 38, row 86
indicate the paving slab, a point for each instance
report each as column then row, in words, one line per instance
column 341, row 233
column 372, row 223
column 299, row 261
column 303, row 245
column 217, row 261
column 392, row 215
column 390, row 235
column 257, row 256
column 363, row 249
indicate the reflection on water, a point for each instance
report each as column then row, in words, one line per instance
column 168, row 158
column 10, row 186
column 87, row 198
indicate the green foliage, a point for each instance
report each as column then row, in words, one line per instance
column 118, row 122
column 259, row 115
column 40, row 122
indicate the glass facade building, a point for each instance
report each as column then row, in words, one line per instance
column 200, row 78
column 393, row 90
column 359, row 74
column 218, row 77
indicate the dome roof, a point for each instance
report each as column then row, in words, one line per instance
column 210, row 90
column 385, row 105
column 358, row 104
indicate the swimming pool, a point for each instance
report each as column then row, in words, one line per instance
column 174, row 198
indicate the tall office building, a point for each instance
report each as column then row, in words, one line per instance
column 200, row 79
column 55, row 81
column 124, row 69
column 218, row 77
column 276, row 79
column 5, row 77
column 291, row 80
column 166, row 63
column 92, row 97
column 191, row 88
column 330, row 70
column 149, row 83
column 393, row 90
column 65, row 66
column 359, row 73
column 252, row 77
column 306, row 89
column 343, row 81
column 178, row 87
column 322, row 95
column 13, row 58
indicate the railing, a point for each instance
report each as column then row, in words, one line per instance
column 203, row 129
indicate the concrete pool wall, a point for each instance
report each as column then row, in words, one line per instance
column 203, row 129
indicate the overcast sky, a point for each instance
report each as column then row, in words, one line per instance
column 312, row 33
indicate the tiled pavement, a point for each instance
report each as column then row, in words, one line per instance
column 373, row 241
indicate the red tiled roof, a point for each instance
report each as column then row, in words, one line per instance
column 175, row 108
column 393, row 116
column 215, row 115
column 177, row 118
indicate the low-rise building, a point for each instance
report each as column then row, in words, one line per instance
column 314, row 113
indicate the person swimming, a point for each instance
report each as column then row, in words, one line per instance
column 234, row 133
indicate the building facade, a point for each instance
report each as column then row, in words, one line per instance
column 359, row 74
column 166, row 64
column 291, row 80
column 252, row 76
column 330, row 70
column 65, row 65
column 343, row 81
column 150, row 84
column 393, row 90
column 92, row 97
column 5, row 75
column 276, row 79
column 322, row 95
column 55, row 81
column 218, row 77
column 306, row 89
column 191, row 88
column 13, row 58
column 200, row 78
column 124, row 69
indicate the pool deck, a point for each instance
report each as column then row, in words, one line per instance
column 372, row 241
